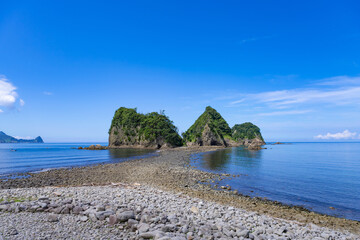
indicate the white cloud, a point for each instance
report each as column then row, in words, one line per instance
column 1, row 111
column 47, row 93
column 25, row 138
column 279, row 113
column 8, row 95
column 341, row 135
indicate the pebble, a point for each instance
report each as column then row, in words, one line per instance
column 125, row 216
column 53, row 218
column 139, row 212
column 83, row 218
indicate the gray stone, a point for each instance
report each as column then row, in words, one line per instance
column 100, row 208
column 57, row 210
column 83, row 218
column 148, row 235
column 243, row 233
column 113, row 219
column 143, row 227
column 125, row 216
column 93, row 217
column 227, row 232
column 53, row 218
column 132, row 222
column 169, row 228
column 77, row 210
column 42, row 204
column 43, row 198
column 104, row 214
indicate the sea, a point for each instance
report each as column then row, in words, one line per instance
column 36, row 157
column 322, row 177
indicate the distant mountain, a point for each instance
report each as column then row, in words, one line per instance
column 8, row 139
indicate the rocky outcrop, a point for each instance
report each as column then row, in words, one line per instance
column 4, row 138
column 255, row 144
column 210, row 129
column 248, row 134
column 94, row 147
column 152, row 130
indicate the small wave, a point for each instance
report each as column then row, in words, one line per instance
column 48, row 169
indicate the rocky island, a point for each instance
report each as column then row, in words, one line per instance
column 210, row 129
column 132, row 129
column 248, row 134
column 155, row 130
column 4, row 138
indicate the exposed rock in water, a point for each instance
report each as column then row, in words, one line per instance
column 249, row 135
column 210, row 129
column 152, row 130
column 94, row 147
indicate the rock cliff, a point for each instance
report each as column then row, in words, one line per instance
column 210, row 129
column 153, row 130
column 248, row 134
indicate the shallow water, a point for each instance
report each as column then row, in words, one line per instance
column 316, row 176
column 20, row 158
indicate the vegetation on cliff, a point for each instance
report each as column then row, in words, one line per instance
column 134, row 128
column 155, row 130
column 210, row 123
column 246, row 131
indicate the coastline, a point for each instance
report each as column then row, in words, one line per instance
column 170, row 171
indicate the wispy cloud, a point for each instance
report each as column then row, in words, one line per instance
column 280, row 113
column 339, row 81
column 47, row 93
column 253, row 39
column 238, row 101
column 1, row 111
column 337, row 95
column 22, row 102
column 338, row 136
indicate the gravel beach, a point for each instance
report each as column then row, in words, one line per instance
column 125, row 211
column 162, row 198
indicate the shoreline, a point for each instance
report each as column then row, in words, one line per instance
column 171, row 171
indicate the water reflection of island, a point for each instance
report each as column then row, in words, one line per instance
column 239, row 156
column 129, row 152
column 243, row 152
column 217, row 160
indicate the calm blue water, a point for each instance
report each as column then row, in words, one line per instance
column 313, row 175
column 37, row 157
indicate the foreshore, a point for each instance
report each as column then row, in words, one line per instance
column 158, row 179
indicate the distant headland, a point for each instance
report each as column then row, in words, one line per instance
column 4, row 138
column 155, row 130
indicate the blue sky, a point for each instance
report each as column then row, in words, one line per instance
column 292, row 68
